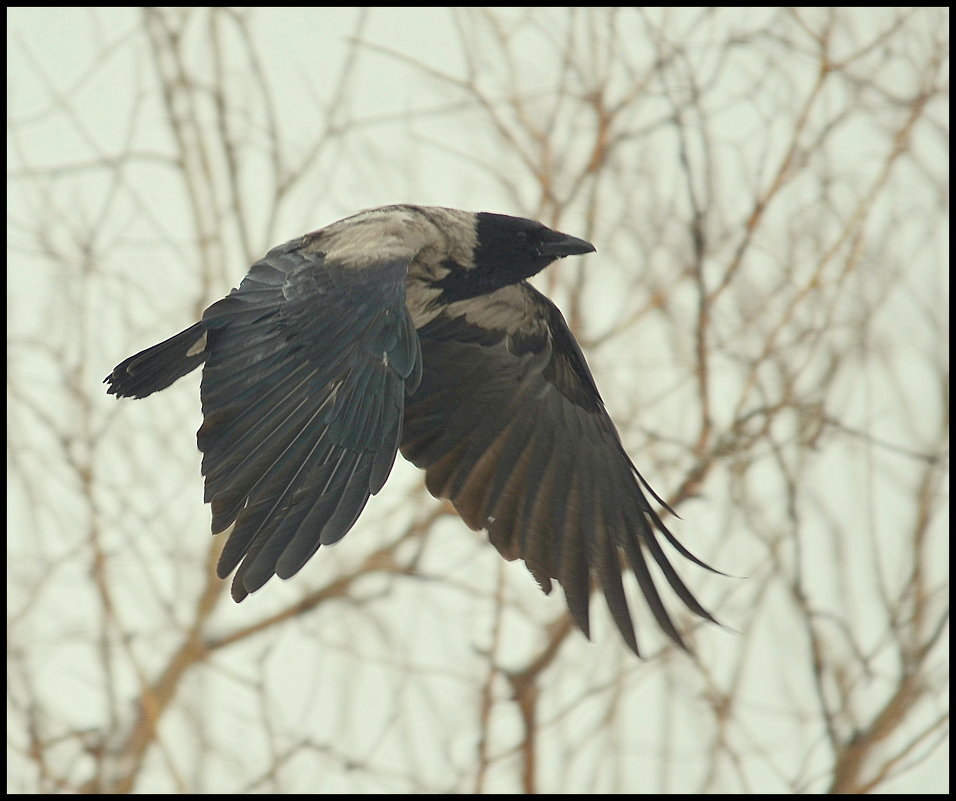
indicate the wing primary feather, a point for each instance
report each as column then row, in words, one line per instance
column 653, row 598
column 675, row 581
column 681, row 549
column 608, row 566
column 575, row 581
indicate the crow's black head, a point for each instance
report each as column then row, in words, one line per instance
column 507, row 250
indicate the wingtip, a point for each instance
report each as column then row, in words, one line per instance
column 238, row 591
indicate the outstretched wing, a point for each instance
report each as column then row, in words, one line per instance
column 302, row 395
column 509, row 426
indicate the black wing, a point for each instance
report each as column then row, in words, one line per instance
column 302, row 396
column 509, row 426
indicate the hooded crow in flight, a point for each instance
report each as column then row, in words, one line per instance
column 413, row 328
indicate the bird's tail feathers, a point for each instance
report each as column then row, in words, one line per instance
column 157, row 367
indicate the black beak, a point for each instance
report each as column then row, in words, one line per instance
column 557, row 245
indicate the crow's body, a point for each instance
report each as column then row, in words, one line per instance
column 412, row 328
